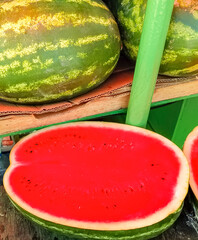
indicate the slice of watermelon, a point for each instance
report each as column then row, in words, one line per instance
column 97, row 180
column 191, row 151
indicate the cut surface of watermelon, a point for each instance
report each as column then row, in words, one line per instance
column 97, row 176
column 191, row 151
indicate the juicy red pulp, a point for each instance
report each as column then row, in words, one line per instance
column 95, row 174
column 194, row 160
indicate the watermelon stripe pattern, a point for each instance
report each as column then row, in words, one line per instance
column 135, row 234
column 55, row 49
column 180, row 56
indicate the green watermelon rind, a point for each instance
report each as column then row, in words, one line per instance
column 79, row 233
column 180, row 56
column 52, row 62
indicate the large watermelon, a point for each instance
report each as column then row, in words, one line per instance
column 180, row 56
column 55, row 49
column 96, row 180
column 191, row 151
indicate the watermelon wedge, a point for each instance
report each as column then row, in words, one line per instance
column 191, row 151
column 97, row 180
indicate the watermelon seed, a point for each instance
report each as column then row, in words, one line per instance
column 36, row 144
column 152, row 164
column 31, row 151
column 131, row 189
column 163, row 179
column 115, row 205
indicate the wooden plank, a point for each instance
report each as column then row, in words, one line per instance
column 117, row 99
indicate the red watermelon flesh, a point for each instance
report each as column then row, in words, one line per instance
column 100, row 176
column 191, row 152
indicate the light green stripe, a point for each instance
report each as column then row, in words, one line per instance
column 49, row 46
column 90, row 2
column 23, row 67
column 111, row 60
column 50, row 21
column 50, row 81
column 11, row 5
column 172, row 55
column 181, row 31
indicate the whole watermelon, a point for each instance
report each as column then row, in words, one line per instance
column 55, row 49
column 180, row 56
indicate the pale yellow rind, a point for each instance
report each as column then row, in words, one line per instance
column 180, row 191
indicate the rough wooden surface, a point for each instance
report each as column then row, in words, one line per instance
column 13, row 226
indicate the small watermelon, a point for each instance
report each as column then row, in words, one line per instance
column 180, row 56
column 55, row 49
column 97, row 180
column 191, row 151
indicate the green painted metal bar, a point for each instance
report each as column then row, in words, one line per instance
column 186, row 122
column 155, row 28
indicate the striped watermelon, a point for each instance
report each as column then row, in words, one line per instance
column 55, row 49
column 180, row 56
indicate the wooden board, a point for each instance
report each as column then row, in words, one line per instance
column 111, row 96
column 13, row 226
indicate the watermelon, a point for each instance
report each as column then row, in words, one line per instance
column 191, row 151
column 97, row 180
column 180, row 56
column 55, row 49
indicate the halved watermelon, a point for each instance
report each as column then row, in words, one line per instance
column 97, row 180
column 191, row 151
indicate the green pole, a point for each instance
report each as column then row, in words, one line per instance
column 155, row 28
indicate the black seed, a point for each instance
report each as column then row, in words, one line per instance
column 31, row 151
column 163, row 178
column 152, row 164
column 115, row 205
column 131, row 189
